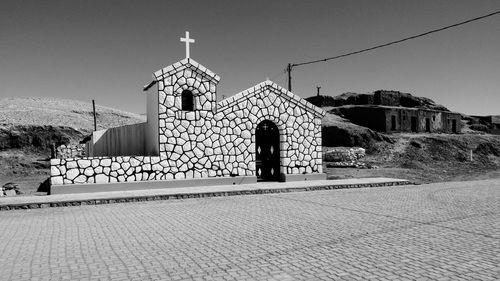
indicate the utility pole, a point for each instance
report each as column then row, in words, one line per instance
column 53, row 151
column 317, row 88
column 95, row 120
column 289, row 70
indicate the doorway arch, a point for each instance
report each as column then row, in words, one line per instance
column 267, row 150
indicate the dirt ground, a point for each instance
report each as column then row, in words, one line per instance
column 429, row 158
column 413, row 175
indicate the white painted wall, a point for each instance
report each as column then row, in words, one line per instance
column 151, row 131
column 126, row 140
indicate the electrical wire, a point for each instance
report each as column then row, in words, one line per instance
column 397, row 41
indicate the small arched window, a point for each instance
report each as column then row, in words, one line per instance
column 187, row 100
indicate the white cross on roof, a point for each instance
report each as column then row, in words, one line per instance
column 187, row 40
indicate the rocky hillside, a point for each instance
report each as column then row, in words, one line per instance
column 29, row 127
column 337, row 131
column 39, row 122
column 417, row 157
column 62, row 112
column 379, row 97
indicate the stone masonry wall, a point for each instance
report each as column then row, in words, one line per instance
column 344, row 154
column 108, row 169
column 214, row 140
column 70, row 151
column 223, row 143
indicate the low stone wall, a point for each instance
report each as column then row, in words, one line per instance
column 70, row 151
column 344, row 154
column 122, row 169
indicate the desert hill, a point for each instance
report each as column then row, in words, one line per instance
column 424, row 157
column 62, row 112
column 381, row 97
column 338, row 131
column 29, row 127
column 39, row 122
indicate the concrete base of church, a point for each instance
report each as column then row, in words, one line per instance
column 140, row 185
column 303, row 177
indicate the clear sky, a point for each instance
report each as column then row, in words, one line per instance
column 108, row 49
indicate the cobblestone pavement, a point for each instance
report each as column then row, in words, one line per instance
column 448, row 231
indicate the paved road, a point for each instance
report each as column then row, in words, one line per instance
column 441, row 232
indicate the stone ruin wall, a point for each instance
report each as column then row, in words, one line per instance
column 210, row 141
column 344, row 154
column 439, row 121
column 70, row 151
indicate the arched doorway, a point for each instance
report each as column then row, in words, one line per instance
column 267, row 149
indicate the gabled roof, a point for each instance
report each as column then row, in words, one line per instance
column 180, row 66
column 282, row 92
column 183, row 64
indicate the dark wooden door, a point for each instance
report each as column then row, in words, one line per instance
column 414, row 124
column 267, row 149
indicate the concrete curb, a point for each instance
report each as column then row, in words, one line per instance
column 106, row 198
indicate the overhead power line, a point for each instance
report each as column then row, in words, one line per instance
column 291, row 65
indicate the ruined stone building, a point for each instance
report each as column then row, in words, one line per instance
column 491, row 122
column 392, row 111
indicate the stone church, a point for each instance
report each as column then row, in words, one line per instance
column 264, row 133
